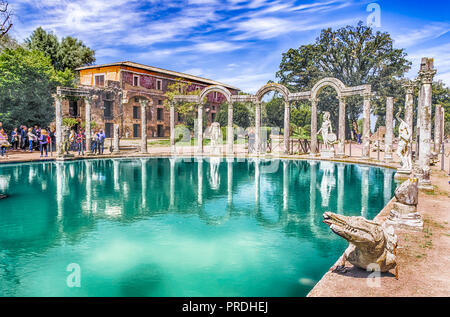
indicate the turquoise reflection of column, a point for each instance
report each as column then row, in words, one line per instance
column 59, row 188
column 230, row 162
column 144, row 183
column 257, row 181
column 116, row 174
column 285, row 184
column 200, row 180
column 340, row 176
column 88, row 206
column 172, row 161
column 364, row 190
column 387, row 190
column 312, row 192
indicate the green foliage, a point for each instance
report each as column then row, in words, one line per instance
column 301, row 120
column 70, row 53
column 242, row 115
column 27, row 80
column 94, row 125
column 353, row 54
column 186, row 109
column 69, row 122
column 273, row 112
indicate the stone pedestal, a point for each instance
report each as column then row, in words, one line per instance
column 405, row 216
column 327, row 153
column 402, row 174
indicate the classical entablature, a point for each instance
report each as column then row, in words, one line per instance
column 339, row 87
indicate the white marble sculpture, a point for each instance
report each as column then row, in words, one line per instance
column 404, row 146
column 329, row 138
column 214, row 133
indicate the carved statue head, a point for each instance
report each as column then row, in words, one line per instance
column 356, row 230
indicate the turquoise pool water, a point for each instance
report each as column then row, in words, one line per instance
column 165, row 227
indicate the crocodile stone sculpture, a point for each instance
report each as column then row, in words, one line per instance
column 370, row 242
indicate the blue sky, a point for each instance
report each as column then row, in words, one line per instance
column 232, row 41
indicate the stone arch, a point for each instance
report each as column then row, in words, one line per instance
column 215, row 88
column 140, row 95
column 273, row 87
column 335, row 83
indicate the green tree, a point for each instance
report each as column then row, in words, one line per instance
column 273, row 112
column 70, row 53
column 242, row 115
column 353, row 54
column 27, row 81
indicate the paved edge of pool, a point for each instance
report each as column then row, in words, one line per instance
column 374, row 163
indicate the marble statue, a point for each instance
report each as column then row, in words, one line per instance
column 404, row 145
column 329, row 138
column 369, row 242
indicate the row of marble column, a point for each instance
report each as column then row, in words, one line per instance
column 230, row 129
column 286, row 135
column 424, row 121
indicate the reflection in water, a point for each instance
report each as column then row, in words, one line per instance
column 328, row 182
column 116, row 215
column 364, row 191
column 214, row 179
column 172, row 161
column 285, row 184
column 230, row 162
column 200, row 180
column 59, row 188
column 387, row 190
column 340, row 200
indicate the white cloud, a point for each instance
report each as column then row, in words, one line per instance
column 414, row 37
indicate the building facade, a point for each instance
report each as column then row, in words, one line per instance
column 124, row 84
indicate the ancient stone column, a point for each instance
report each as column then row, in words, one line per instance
column 366, row 128
column 314, row 149
column 437, row 129
column 144, row 104
column 341, row 128
column 426, row 75
column 258, row 127
column 200, row 129
column 409, row 104
column 172, row 127
column 116, row 148
column 389, row 129
column 443, row 124
column 287, row 117
column 88, row 104
column 230, row 132
column 58, row 121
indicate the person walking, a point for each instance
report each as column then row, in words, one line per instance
column 3, row 143
column 80, row 142
column 24, row 137
column 31, row 138
column 14, row 139
column 94, row 142
column 101, row 141
column 43, row 141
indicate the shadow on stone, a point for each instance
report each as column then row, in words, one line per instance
column 353, row 271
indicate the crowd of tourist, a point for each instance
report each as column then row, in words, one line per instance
column 29, row 139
